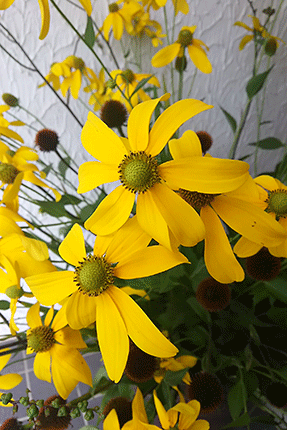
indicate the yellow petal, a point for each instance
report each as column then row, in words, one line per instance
column 140, row 328
column 45, row 15
column 249, row 220
column 199, row 57
column 241, row 24
column 188, row 145
column 245, row 248
column 181, row 218
column 148, row 262
column 162, row 414
column 107, row 25
column 4, row 359
column 181, row 6
column 30, row 177
column 246, row 39
column 205, row 174
column 69, row 337
column 201, row 425
column 118, row 26
column 72, row 249
column 92, row 174
column 4, row 4
column 49, row 317
column 170, row 120
column 9, row 381
column 218, row 256
column 10, row 133
column 112, row 212
column 102, row 142
column 112, row 335
column 267, row 182
column 111, row 422
column 138, row 124
column 60, row 319
column 36, row 248
column 42, row 365
column 76, row 83
column 165, row 55
column 138, row 407
column 81, row 310
column 51, row 288
column 87, row 6
column 33, row 316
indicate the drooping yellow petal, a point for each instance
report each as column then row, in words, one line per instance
column 170, row 120
column 250, row 221
column 268, row 182
column 111, row 422
column 69, row 337
column 45, row 15
column 42, row 365
column 188, row 145
column 49, row 317
column 76, row 84
column 4, row 359
column 245, row 248
column 205, row 174
column 245, row 39
column 148, row 262
column 92, row 174
column 118, row 26
column 72, row 249
column 162, row 414
column 241, row 24
column 10, row 133
column 181, row 6
column 112, row 335
column 102, row 142
column 4, row 4
column 140, row 328
column 9, row 381
column 112, row 212
column 36, row 248
column 166, row 55
column 51, row 288
column 107, row 25
column 80, row 310
column 138, row 124
column 138, row 407
column 60, row 319
column 33, row 316
column 199, row 57
column 87, row 6
column 218, row 256
column 201, row 425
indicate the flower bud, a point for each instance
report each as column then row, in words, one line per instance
column 180, row 63
column 270, row 47
column 10, row 100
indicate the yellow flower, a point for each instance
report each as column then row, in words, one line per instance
column 273, row 199
column 194, row 47
column 127, row 80
column 237, row 208
column 175, row 364
column 179, row 5
column 257, row 29
column 120, row 18
column 160, row 210
column 99, row 88
column 56, row 346
column 154, row 31
column 10, row 380
column 92, row 295
column 4, row 124
column 71, row 70
column 14, row 168
column 45, row 12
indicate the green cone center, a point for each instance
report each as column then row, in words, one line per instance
column 8, row 173
column 41, row 339
column 195, row 199
column 277, row 203
column 185, row 37
column 93, row 275
column 138, row 172
column 14, row 292
column 113, row 7
column 129, row 75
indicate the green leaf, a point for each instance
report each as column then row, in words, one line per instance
column 174, row 378
column 141, row 84
column 237, row 399
column 230, row 119
column 4, row 305
column 201, row 312
column 244, row 420
column 70, row 199
column 268, row 143
column 255, row 84
column 278, row 288
column 55, row 209
column 63, row 166
column 47, row 168
column 89, row 36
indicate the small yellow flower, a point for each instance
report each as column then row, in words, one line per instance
column 56, row 347
column 194, row 47
column 92, row 295
column 257, row 29
column 179, row 5
column 4, row 124
column 273, row 199
column 99, row 88
column 10, row 380
column 175, row 364
column 120, row 18
column 45, row 12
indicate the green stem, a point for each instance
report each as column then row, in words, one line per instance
column 239, row 130
column 65, row 162
column 33, row 116
column 90, row 394
column 180, row 85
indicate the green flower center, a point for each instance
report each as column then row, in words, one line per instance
column 41, row 339
column 195, row 199
column 94, row 275
column 277, row 203
column 128, row 75
column 185, row 37
column 138, row 172
column 14, row 292
column 113, row 7
column 79, row 63
column 8, row 173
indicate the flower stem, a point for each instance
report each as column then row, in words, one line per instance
column 239, row 130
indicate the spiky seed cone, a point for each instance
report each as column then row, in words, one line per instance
column 11, row 424
column 205, row 140
column 263, row 266
column 123, row 407
column 47, row 140
column 113, row 113
column 212, row 295
column 140, row 366
column 207, row 389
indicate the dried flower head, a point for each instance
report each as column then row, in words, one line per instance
column 140, row 366
column 47, row 140
column 114, row 113
column 263, row 266
column 123, row 407
column 205, row 140
column 11, row 424
column 212, row 295
column 207, row 389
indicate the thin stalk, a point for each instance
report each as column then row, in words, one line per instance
column 192, row 83
column 33, row 116
column 239, row 130
column 180, row 85
column 65, row 162
column 15, row 59
column 18, row 119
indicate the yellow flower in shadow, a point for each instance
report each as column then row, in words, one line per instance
column 10, row 380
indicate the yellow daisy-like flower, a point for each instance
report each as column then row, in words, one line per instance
column 175, row 364
column 161, row 211
column 194, row 47
column 127, row 81
column 92, row 295
column 71, row 70
column 257, row 29
column 273, row 199
column 237, row 208
column 120, row 18
column 99, row 88
column 56, row 347
column 10, row 380
column 14, row 168
column 45, row 12
column 179, row 5
column 4, row 124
